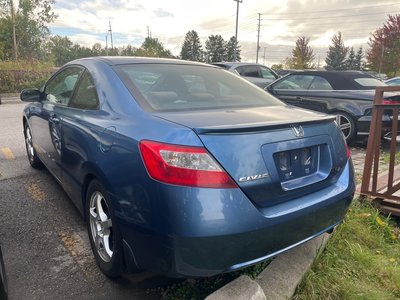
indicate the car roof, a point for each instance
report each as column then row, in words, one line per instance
column 125, row 60
column 235, row 64
column 343, row 80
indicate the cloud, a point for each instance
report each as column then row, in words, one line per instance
column 161, row 13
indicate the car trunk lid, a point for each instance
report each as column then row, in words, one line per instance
column 274, row 154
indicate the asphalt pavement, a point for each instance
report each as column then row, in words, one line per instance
column 43, row 236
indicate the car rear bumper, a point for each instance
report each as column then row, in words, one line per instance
column 244, row 236
column 364, row 123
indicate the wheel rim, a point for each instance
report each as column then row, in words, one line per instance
column 344, row 124
column 101, row 226
column 29, row 143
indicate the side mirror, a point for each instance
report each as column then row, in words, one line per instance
column 30, row 95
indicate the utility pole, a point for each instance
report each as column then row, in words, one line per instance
column 237, row 21
column 264, row 56
column 111, row 37
column 15, row 50
column 258, row 36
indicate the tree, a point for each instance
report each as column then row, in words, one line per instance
column 24, row 28
column 152, row 47
column 384, row 52
column 358, row 61
column 215, row 49
column 191, row 47
column 277, row 67
column 302, row 55
column 233, row 50
column 128, row 51
column 351, row 60
column 336, row 56
column 61, row 50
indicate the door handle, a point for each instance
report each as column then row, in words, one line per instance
column 299, row 98
column 54, row 119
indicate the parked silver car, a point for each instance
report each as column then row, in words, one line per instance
column 258, row 74
column 393, row 81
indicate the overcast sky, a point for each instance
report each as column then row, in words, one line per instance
column 282, row 22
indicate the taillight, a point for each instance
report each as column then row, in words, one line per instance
column 183, row 165
column 347, row 151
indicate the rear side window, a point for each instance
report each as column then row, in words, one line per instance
column 249, row 71
column 86, row 95
column 164, row 87
column 268, row 74
column 320, row 84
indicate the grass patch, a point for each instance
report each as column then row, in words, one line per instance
column 386, row 158
column 361, row 260
column 193, row 289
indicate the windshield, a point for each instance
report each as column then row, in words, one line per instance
column 165, row 87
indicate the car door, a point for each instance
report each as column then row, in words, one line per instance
column 83, row 138
column 292, row 89
column 48, row 126
column 319, row 96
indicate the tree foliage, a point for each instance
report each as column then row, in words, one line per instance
column 23, row 28
column 384, row 52
column 302, row 55
column 215, row 49
column 233, row 50
column 336, row 56
column 191, row 47
column 152, row 47
column 351, row 60
column 358, row 60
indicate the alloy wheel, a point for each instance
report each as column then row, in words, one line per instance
column 101, row 226
column 344, row 124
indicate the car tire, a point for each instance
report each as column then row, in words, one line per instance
column 34, row 160
column 346, row 125
column 104, row 235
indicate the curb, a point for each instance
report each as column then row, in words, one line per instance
column 281, row 277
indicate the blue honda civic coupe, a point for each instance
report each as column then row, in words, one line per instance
column 184, row 168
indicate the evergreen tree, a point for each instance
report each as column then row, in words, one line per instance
column 215, row 49
column 231, row 47
column 336, row 57
column 358, row 61
column 351, row 60
column 191, row 47
column 302, row 55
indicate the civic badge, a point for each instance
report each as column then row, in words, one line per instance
column 298, row 131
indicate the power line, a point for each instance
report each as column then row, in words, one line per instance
column 324, row 17
column 333, row 10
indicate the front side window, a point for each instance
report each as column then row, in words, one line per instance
column 60, row 88
column 165, row 87
column 86, row 95
column 294, row 82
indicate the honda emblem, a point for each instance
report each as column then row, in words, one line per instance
column 298, row 131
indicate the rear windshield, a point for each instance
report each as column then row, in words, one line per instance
column 369, row 82
column 165, row 87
